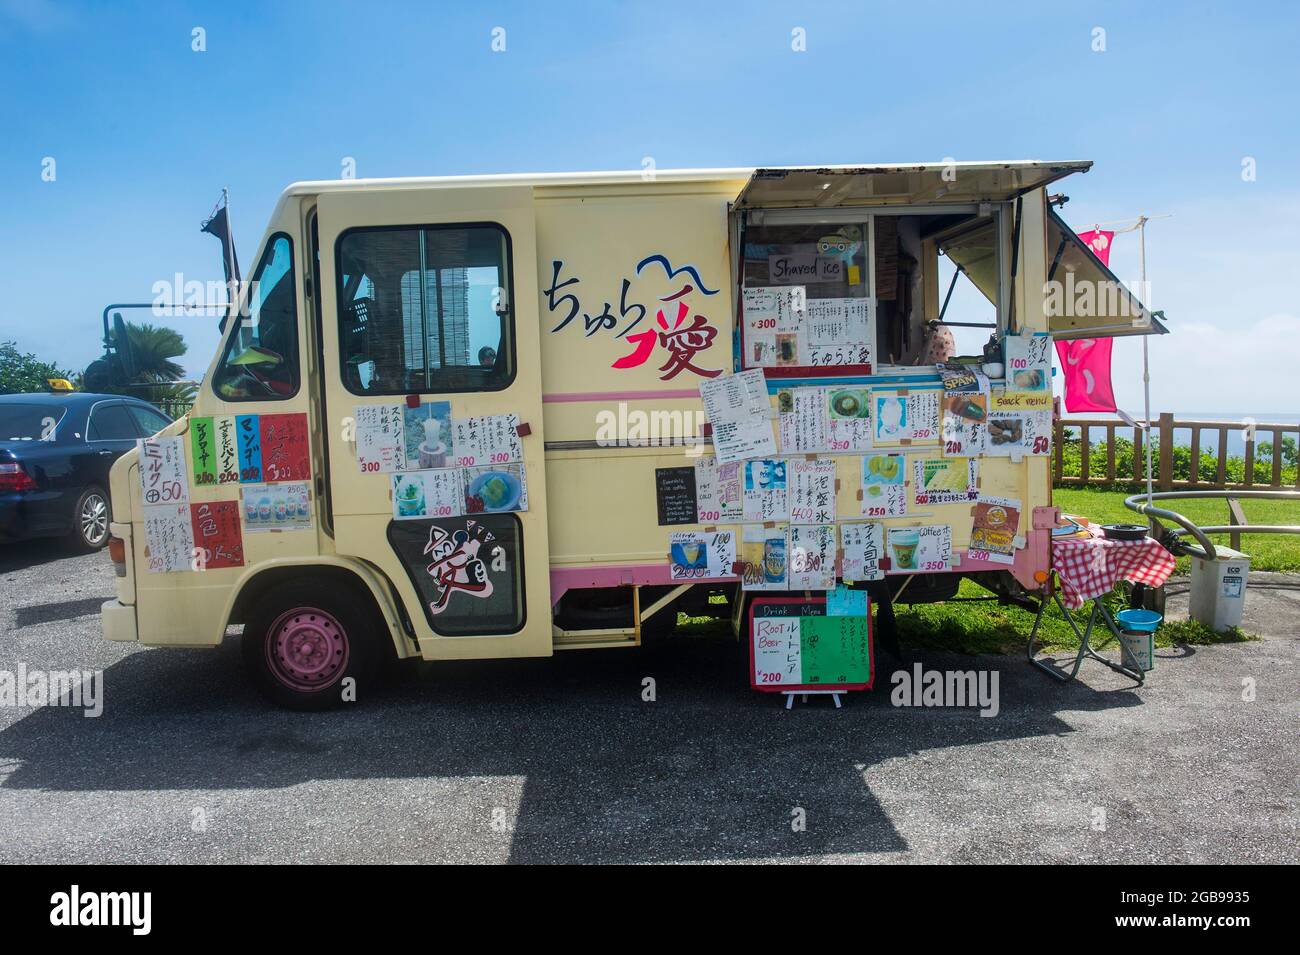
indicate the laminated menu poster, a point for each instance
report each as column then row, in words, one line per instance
column 276, row 507
column 795, row 645
column 810, row 553
column 424, row 494
column 248, row 448
column 802, row 420
column 944, row 480
column 812, row 490
column 900, row 418
column 884, row 485
column 765, row 495
column 701, row 555
column 380, row 438
column 494, row 490
column 218, row 537
column 1029, row 363
column 770, row 312
column 849, row 414
column 965, row 423
column 164, row 478
column 994, row 523
column 717, row 492
column 285, row 447
column 837, row 332
column 1015, row 430
column 490, row 439
column 169, row 538
column 862, row 544
column 763, row 558
column 924, row 548
column 738, row 409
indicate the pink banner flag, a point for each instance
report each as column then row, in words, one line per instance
column 1099, row 242
column 1085, row 366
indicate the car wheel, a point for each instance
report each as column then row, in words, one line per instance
column 304, row 639
column 90, row 519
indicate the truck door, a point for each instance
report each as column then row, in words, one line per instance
column 429, row 319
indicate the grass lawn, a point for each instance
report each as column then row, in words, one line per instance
column 1267, row 551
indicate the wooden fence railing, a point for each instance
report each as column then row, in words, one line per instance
column 1167, row 430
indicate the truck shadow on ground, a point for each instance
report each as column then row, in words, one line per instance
column 708, row 770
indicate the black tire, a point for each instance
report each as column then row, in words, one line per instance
column 90, row 519
column 336, row 637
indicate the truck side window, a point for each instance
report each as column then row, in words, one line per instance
column 261, row 358
column 425, row 309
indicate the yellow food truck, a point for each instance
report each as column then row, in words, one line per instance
column 500, row 416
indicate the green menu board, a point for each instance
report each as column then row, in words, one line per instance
column 203, row 451
column 795, row 645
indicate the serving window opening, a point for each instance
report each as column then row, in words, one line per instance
column 845, row 294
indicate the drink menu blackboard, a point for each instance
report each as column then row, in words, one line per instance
column 795, row 646
column 675, row 495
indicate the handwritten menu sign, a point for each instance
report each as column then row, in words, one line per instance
column 701, row 555
column 905, row 417
column 811, row 554
column 862, row 545
column 802, row 420
column 762, row 557
column 163, row 477
column 944, row 480
column 737, row 406
column 433, row 493
column 224, row 429
column 1016, row 427
column 717, row 491
column 168, row 538
column 248, row 447
column 286, row 449
column 1029, row 362
column 380, row 437
column 924, row 548
column 490, row 439
column 769, row 313
column 218, row 539
column 812, row 491
column 794, row 646
column 203, row 451
column 675, row 498
column 884, row 485
column 765, row 494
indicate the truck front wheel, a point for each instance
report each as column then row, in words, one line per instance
column 308, row 646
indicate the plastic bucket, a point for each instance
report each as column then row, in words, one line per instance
column 1138, row 620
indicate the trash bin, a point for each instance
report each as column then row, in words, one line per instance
column 1137, row 638
column 1218, row 594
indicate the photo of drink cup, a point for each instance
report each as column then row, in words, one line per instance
column 250, row 510
column 264, row 509
column 904, row 543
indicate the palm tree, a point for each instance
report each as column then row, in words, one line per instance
column 158, row 377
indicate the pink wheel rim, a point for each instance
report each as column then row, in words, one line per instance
column 307, row 649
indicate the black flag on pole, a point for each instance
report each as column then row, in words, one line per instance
column 219, row 225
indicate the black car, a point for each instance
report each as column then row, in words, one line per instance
column 55, row 454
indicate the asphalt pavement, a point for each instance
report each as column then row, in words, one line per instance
column 562, row 760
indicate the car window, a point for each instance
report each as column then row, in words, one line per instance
column 150, row 421
column 111, row 423
column 34, row 422
column 261, row 358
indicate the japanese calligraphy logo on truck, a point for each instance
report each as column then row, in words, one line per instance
column 677, row 333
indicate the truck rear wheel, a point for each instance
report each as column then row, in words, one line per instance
column 304, row 639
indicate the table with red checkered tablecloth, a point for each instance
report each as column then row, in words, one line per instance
column 1089, row 567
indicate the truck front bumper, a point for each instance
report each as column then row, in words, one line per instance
column 118, row 621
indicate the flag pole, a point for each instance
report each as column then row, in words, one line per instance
column 1146, row 364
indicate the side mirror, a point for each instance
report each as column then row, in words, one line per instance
column 122, row 345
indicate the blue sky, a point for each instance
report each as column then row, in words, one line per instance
column 145, row 132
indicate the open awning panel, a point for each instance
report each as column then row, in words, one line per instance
column 829, row 186
column 1084, row 299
